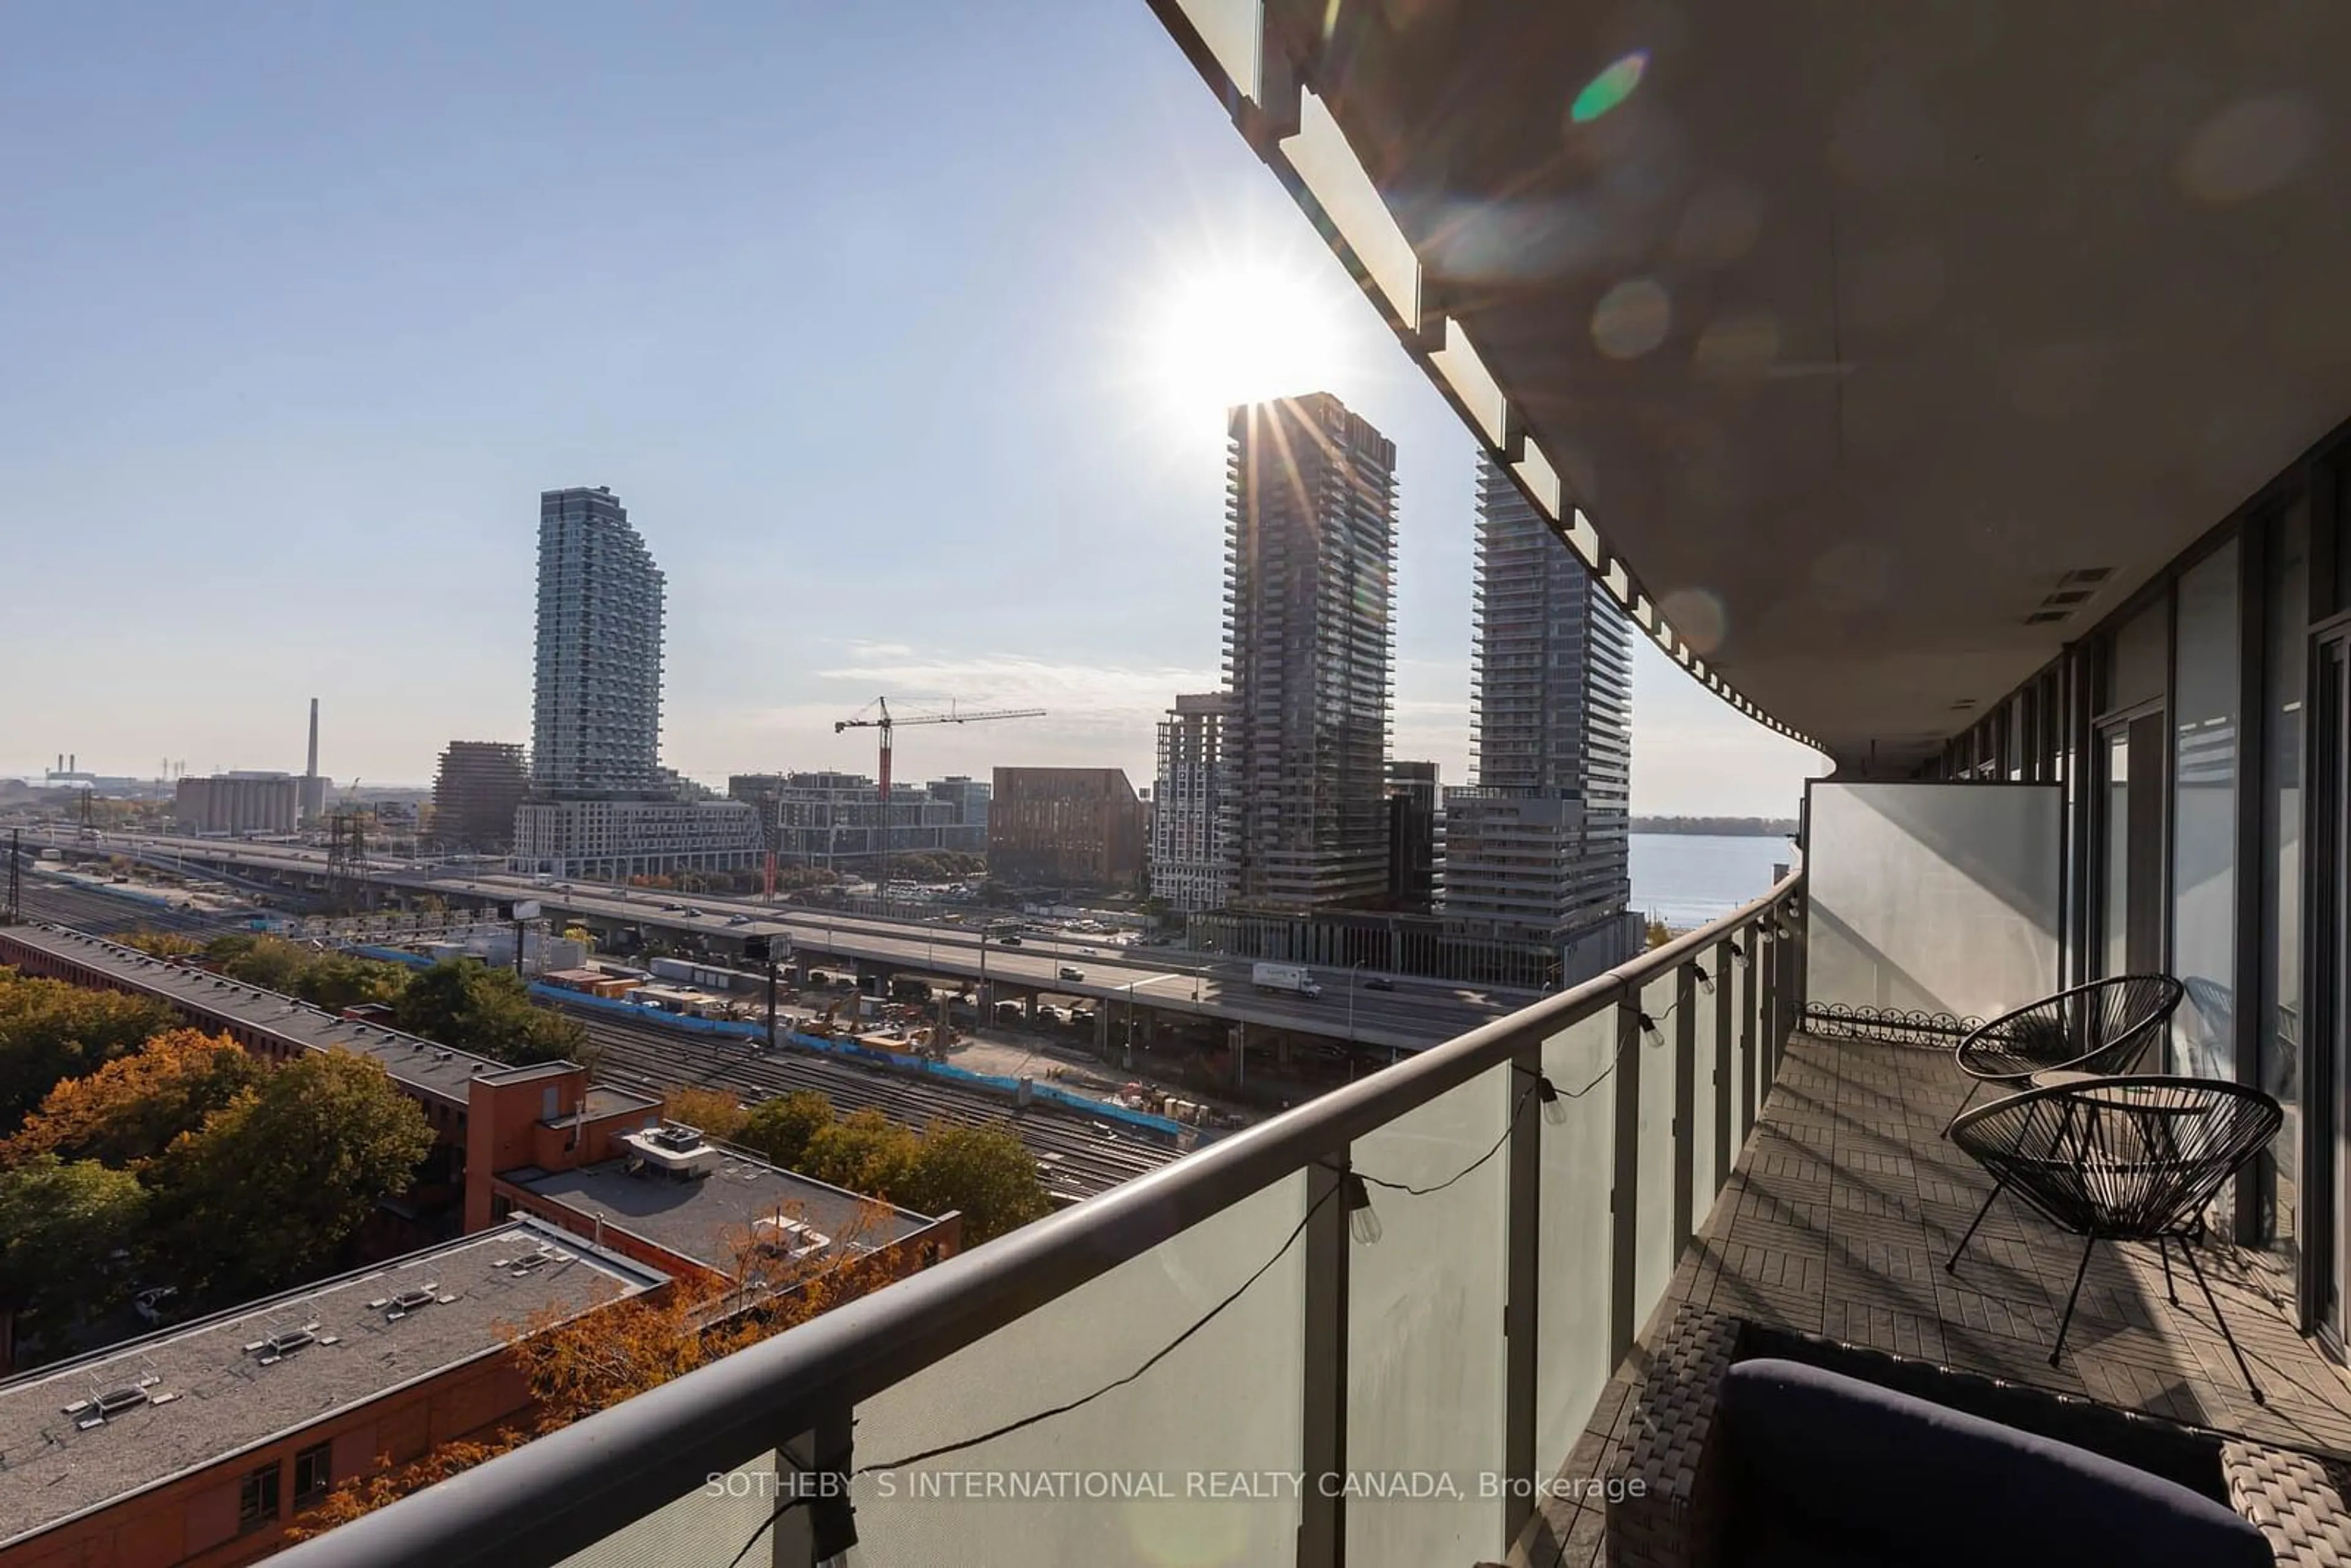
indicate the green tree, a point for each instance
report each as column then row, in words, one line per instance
column 715, row 1111
column 783, row 1128
column 271, row 1187
column 866, row 1152
column 464, row 1003
column 131, row 1108
column 270, row 962
column 337, row 980
column 68, row 1234
column 984, row 1174
column 161, row 944
column 50, row 1031
column 331, row 980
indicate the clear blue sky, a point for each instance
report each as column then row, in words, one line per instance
column 863, row 310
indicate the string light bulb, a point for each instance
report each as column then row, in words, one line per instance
column 1739, row 952
column 1705, row 980
column 1362, row 1219
column 1649, row 1027
column 1554, row 1103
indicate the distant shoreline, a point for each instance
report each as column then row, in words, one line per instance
column 1715, row 827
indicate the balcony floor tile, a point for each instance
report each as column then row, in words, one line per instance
column 1840, row 1217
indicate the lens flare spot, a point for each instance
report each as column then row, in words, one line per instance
column 1739, row 344
column 1632, row 319
column 1609, row 89
column 2250, row 148
column 1697, row 616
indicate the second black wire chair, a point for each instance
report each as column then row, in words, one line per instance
column 2123, row 1159
column 2104, row 1027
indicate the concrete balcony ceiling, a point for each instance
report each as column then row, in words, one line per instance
column 1852, row 329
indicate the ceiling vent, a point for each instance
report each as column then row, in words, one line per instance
column 2074, row 589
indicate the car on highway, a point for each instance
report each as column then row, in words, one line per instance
column 1090, row 952
column 691, row 910
column 1379, row 983
column 1071, row 972
column 1011, row 940
column 738, row 920
column 672, row 908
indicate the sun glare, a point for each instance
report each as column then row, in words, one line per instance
column 1239, row 334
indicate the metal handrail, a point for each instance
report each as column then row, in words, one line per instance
column 562, row 1492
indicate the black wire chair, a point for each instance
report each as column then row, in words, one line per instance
column 2104, row 1027
column 2123, row 1159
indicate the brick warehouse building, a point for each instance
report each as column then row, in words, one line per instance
column 198, row 1444
column 1082, row 826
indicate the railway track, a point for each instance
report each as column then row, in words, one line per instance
column 1080, row 1158
column 104, row 915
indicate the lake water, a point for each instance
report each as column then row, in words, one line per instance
column 1688, row 879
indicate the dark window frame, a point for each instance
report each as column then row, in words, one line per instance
column 258, row 1495
column 312, row 1489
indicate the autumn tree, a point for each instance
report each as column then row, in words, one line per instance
column 984, row 1174
column 68, row 1233
column 781, row 1128
column 464, row 1003
column 131, row 1109
column 50, row 1031
column 715, row 1110
column 269, row 1188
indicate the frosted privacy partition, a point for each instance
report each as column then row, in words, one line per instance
column 1935, row 898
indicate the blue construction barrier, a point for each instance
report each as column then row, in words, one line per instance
column 855, row 1050
column 849, row 1050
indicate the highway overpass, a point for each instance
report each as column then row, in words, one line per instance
column 1418, row 1013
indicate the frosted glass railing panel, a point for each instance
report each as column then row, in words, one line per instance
column 1151, row 1472
column 1655, row 1244
column 708, row 1526
column 1425, row 1331
column 1571, row 1360
column 1705, row 1176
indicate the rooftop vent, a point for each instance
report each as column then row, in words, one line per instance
column 278, row 1346
column 413, row 1300
column 675, row 1149
column 114, row 1402
column 792, row 1238
column 532, row 1262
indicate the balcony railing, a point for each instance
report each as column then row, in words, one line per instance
column 1365, row 1331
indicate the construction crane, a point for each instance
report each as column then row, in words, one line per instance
column 876, row 715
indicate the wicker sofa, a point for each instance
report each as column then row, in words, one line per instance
column 1695, row 1495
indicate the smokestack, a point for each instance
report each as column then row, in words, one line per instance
column 73, row 762
column 312, row 771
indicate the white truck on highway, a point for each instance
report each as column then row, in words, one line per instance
column 1295, row 978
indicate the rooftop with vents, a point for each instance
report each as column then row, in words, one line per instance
column 84, row 1434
